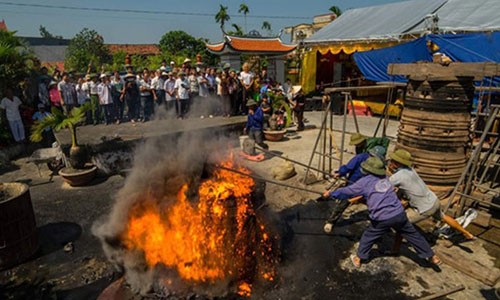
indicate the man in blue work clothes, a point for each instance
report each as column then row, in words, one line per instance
column 255, row 123
column 352, row 169
column 385, row 212
column 353, row 172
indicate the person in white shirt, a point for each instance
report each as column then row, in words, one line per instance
column 81, row 93
column 157, row 89
column 247, row 80
column 106, row 99
column 11, row 105
column 203, row 85
column 147, row 96
column 182, row 90
column 171, row 93
column 67, row 92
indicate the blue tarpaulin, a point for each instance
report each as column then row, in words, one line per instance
column 373, row 64
column 471, row 47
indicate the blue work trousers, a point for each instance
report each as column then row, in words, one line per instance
column 402, row 225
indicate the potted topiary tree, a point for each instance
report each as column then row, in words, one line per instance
column 75, row 172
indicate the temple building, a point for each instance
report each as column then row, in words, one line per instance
column 272, row 48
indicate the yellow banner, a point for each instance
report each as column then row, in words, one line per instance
column 308, row 70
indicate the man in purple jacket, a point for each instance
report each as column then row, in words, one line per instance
column 385, row 212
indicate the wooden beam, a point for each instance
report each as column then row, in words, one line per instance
column 443, row 293
column 468, row 265
column 358, row 88
column 433, row 70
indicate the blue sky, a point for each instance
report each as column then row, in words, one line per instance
column 133, row 27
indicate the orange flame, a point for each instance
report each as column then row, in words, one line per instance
column 214, row 239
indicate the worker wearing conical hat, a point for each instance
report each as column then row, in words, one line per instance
column 385, row 211
column 354, row 171
column 423, row 203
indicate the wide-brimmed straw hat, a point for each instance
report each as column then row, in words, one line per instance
column 374, row 165
column 187, row 60
column 401, row 156
column 130, row 75
column 356, row 139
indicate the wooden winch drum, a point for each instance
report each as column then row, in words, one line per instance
column 18, row 234
column 435, row 128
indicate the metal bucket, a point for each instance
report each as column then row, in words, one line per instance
column 18, row 235
column 435, row 126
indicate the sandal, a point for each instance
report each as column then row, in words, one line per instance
column 356, row 261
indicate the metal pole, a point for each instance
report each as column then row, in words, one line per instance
column 473, row 158
column 290, row 160
column 325, row 133
column 382, row 116
column 330, row 169
column 270, row 181
column 323, row 124
column 386, row 117
column 354, row 113
column 344, row 122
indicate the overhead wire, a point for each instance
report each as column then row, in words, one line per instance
column 152, row 12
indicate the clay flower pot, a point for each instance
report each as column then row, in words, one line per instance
column 78, row 177
column 274, row 135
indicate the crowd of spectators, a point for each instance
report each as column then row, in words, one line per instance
column 139, row 96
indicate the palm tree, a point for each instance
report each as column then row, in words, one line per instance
column 244, row 9
column 57, row 121
column 266, row 26
column 15, row 59
column 222, row 17
column 237, row 30
column 336, row 10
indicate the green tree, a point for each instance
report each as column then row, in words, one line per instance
column 15, row 60
column 244, row 10
column 266, row 26
column 57, row 121
column 118, row 61
column 336, row 10
column 46, row 34
column 237, row 30
column 222, row 17
column 86, row 48
column 179, row 42
column 175, row 44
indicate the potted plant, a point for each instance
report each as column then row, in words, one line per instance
column 76, row 172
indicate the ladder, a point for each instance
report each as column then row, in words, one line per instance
column 477, row 168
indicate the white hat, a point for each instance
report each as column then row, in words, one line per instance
column 187, row 60
column 164, row 73
column 172, row 62
column 103, row 75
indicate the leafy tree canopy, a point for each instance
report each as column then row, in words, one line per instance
column 179, row 43
column 336, row 10
column 46, row 34
column 222, row 16
column 15, row 60
column 86, row 48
